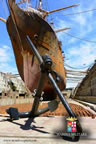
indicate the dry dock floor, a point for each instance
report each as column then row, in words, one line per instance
column 42, row 129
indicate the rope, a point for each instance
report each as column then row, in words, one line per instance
column 86, row 11
column 80, row 38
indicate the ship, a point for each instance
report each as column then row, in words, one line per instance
column 34, row 40
column 32, row 22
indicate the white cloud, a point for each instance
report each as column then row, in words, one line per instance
column 71, row 85
column 6, row 68
column 84, row 54
column 78, row 53
column 82, row 24
column 81, row 57
column 7, row 60
column 4, row 54
column 80, row 19
column 6, row 47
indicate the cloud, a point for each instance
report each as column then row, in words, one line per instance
column 84, row 54
column 80, row 19
column 78, row 53
column 82, row 24
column 7, row 68
column 61, row 24
column 4, row 55
column 71, row 85
column 7, row 62
column 81, row 57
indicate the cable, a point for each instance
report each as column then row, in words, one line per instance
column 78, row 68
column 70, row 78
column 72, row 74
column 75, row 71
column 75, row 81
column 74, row 77
column 79, row 38
column 86, row 11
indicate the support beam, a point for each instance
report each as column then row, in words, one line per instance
column 76, row 71
column 60, row 30
column 46, row 13
column 63, row 8
column 2, row 19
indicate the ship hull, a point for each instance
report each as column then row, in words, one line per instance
column 46, row 42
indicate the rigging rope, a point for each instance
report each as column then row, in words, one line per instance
column 86, row 11
column 80, row 38
column 78, row 68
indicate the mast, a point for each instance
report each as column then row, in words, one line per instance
column 40, row 4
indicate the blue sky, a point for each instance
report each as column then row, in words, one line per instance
column 78, row 53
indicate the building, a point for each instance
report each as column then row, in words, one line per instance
column 10, row 82
column 3, row 82
column 67, row 92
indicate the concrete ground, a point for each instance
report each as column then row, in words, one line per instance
column 42, row 129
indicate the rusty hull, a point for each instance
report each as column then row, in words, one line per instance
column 46, row 42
